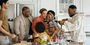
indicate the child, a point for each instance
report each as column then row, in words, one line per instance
column 40, row 28
column 53, row 26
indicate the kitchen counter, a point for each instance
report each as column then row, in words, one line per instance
column 35, row 43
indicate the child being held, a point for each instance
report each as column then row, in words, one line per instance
column 42, row 35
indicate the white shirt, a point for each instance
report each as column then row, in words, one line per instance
column 75, row 25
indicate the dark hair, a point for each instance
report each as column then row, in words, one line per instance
column 40, row 27
column 24, row 8
column 2, row 1
column 41, row 10
column 51, row 12
column 72, row 7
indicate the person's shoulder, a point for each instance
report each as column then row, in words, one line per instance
column 18, row 17
column 80, row 15
column 37, row 18
column 2, row 13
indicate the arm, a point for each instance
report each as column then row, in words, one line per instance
column 33, row 26
column 56, row 26
column 74, row 26
column 17, row 28
column 5, row 32
column 54, row 33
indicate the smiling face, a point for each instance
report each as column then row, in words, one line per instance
column 50, row 16
column 44, row 14
column 47, row 18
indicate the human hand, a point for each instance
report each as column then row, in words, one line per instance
column 64, row 19
column 61, row 22
column 19, row 38
column 12, row 35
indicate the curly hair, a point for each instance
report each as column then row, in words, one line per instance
column 40, row 27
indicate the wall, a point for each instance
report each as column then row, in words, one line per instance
column 86, row 7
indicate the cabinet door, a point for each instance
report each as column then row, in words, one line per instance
column 63, row 5
column 11, row 11
column 31, row 7
column 78, row 4
column 48, row 4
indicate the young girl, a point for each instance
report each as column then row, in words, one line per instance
column 42, row 35
column 40, row 28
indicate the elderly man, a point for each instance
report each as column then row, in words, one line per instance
column 75, row 25
column 22, row 24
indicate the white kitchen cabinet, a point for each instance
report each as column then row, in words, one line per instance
column 32, row 4
column 48, row 4
column 31, row 7
column 11, row 11
column 63, row 5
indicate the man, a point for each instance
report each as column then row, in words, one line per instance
column 22, row 24
column 4, row 26
column 75, row 25
column 41, row 18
